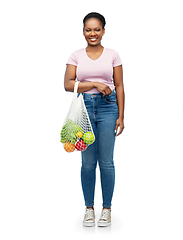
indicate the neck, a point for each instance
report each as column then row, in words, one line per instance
column 91, row 48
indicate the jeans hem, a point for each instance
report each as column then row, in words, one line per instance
column 89, row 205
column 106, row 206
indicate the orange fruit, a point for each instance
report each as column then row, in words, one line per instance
column 69, row 147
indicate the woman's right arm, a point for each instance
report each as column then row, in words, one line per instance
column 69, row 82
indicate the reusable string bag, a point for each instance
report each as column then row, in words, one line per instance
column 77, row 132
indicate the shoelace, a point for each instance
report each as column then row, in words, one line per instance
column 89, row 214
column 105, row 214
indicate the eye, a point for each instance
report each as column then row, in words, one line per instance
column 98, row 30
column 87, row 30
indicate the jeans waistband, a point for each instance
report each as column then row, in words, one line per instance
column 96, row 95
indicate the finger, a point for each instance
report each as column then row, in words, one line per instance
column 104, row 93
column 120, row 130
column 109, row 91
column 116, row 128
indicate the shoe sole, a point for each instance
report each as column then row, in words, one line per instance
column 104, row 224
column 88, row 224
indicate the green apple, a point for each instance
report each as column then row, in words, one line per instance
column 88, row 138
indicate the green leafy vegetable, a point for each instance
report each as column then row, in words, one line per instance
column 69, row 130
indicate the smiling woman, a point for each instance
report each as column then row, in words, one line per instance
column 93, row 31
column 99, row 71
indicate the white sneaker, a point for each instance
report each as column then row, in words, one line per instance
column 89, row 218
column 105, row 218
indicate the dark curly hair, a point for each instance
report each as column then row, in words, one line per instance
column 95, row 15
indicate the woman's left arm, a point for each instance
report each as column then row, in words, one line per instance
column 118, row 82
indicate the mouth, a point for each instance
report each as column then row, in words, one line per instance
column 93, row 39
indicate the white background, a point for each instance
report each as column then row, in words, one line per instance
column 41, row 196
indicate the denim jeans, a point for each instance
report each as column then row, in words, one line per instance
column 103, row 113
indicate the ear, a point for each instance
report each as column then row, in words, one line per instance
column 103, row 30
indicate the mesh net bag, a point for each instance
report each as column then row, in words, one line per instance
column 77, row 132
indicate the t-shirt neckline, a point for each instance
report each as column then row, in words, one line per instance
column 97, row 58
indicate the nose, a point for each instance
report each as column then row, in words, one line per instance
column 92, row 33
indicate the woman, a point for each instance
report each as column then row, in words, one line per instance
column 99, row 71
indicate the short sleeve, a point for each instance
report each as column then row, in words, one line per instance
column 72, row 60
column 116, row 60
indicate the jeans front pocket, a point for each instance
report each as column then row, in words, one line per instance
column 111, row 99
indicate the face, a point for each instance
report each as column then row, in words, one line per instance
column 93, row 31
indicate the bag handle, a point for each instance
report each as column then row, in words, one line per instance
column 76, row 88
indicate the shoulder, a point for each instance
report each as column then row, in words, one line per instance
column 75, row 56
column 115, row 57
column 112, row 53
column 78, row 52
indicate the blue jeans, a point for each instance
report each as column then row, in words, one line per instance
column 103, row 113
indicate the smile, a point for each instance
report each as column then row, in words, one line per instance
column 93, row 39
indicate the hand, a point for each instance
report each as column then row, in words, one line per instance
column 120, row 125
column 103, row 88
